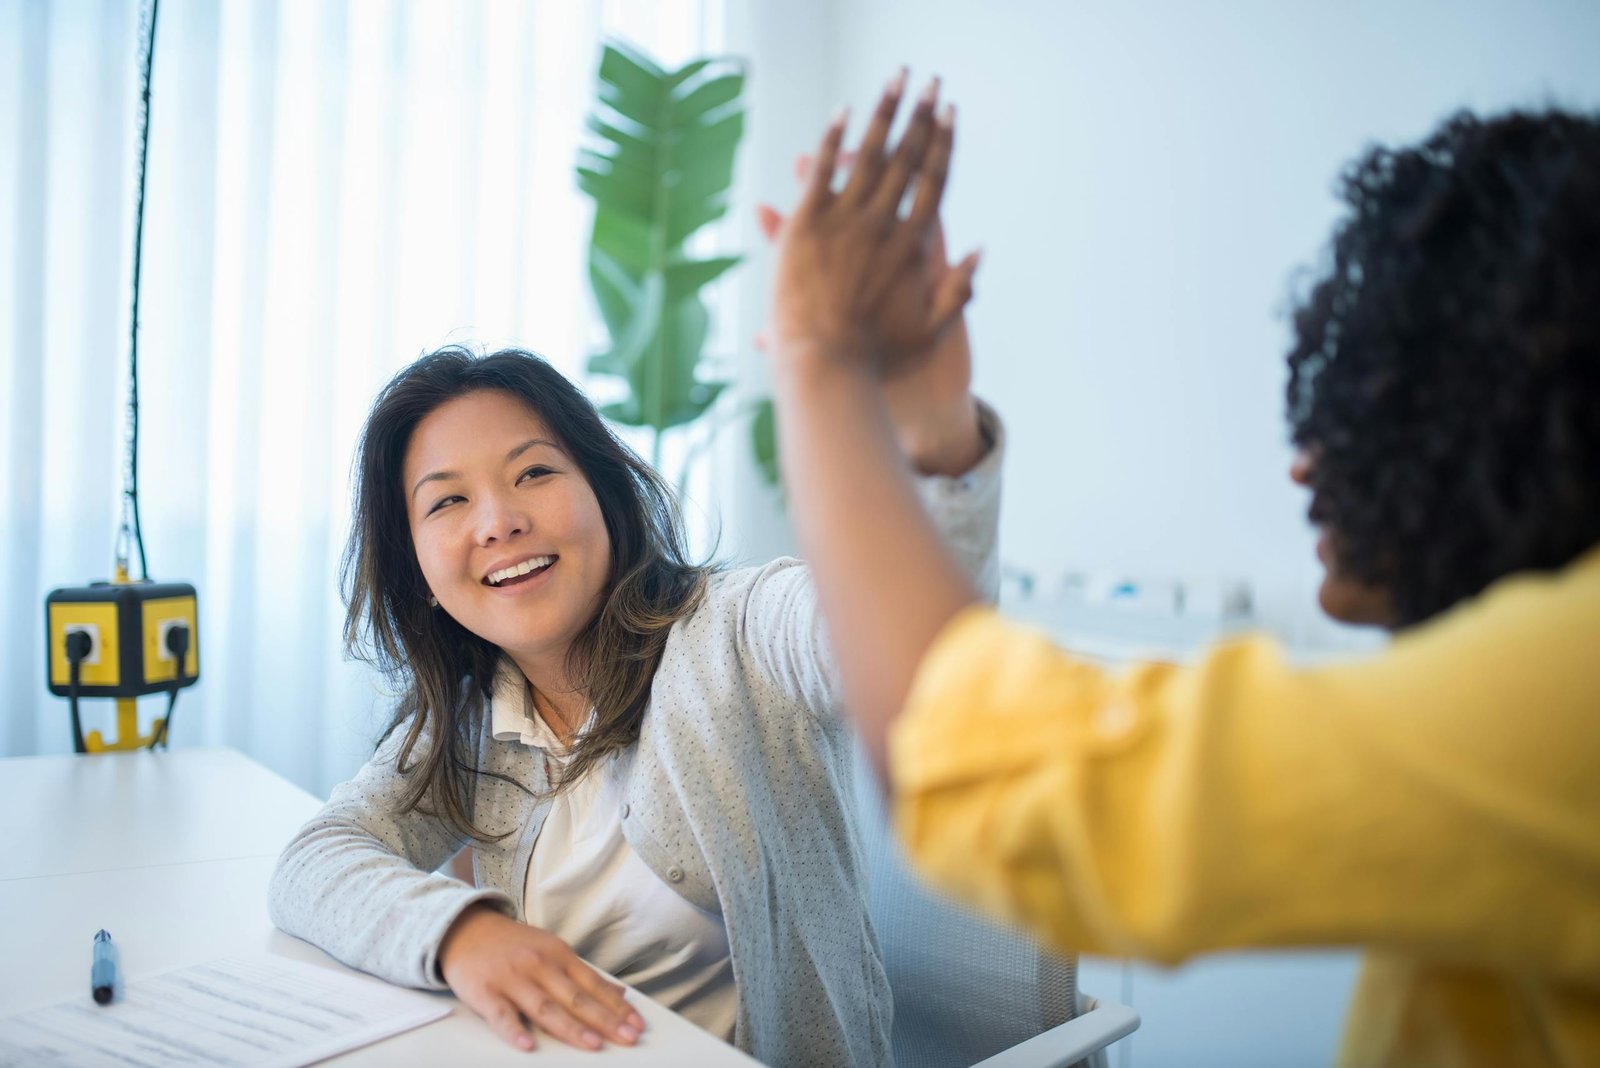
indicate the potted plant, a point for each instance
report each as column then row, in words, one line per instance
column 659, row 169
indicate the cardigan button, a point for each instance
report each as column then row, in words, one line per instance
column 625, row 811
column 675, row 874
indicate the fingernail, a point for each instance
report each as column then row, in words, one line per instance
column 947, row 115
column 592, row 1039
column 628, row 1033
column 524, row 1041
column 637, row 1020
column 897, row 84
column 841, row 116
column 931, row 93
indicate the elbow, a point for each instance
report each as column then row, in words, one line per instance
column 284, row 888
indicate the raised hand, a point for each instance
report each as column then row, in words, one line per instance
column 856, row 279
column 858, row 298
column 518, row 977
column 927, row 390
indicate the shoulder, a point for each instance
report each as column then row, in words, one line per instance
column 731, row 593
column 745, row 609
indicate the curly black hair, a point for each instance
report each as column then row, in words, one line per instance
column 1445, row 375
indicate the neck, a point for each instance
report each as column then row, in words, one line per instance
column 558, row 702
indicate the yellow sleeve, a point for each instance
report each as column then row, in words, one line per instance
column 1441, row 798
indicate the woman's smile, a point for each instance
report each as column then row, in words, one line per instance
column 518, row 574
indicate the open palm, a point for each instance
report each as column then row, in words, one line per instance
column 926, row 386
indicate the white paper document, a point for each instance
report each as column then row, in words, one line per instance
column 253, row 1011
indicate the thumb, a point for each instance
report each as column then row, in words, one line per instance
column 770, row 221
column 953, row 293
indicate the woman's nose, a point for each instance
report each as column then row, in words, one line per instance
column 500, row 518
column 1300, row 468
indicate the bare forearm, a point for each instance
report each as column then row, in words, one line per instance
column 884, row 580
column 951, row 445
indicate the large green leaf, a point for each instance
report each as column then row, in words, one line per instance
column 707, row 96
column 639, row 342
column 686, row 278
column 688, row 221
column 616, row 192
column 659, row 167
column 624, row 238
column 664, row 380
column 617, row 294
column 622, row 144
column 764, row 440
column 687, row 71
column 720, row 136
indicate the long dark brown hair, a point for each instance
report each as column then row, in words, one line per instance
column 445, row 671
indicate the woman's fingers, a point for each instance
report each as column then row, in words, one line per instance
column 869, row 157
column 953, row 293
column 505, row 1020
column 568, row 999
column 932, row 175
column 514, row 975
column 611, row 997
column 545, row 1009
column 820, row 184
column 908, row 155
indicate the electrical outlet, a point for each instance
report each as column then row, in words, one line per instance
column 127, row 624
column 94, row 639
column 163, row 628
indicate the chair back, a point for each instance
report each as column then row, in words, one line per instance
column 965, row 987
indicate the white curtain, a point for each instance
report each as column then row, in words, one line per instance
column 333, row 188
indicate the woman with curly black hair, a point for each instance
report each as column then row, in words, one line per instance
column 1444, row 377
column 1438, row 803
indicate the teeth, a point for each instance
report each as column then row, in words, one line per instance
column 497, row 577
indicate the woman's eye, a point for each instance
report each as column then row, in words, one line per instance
column 536, row 471
column 442, row 501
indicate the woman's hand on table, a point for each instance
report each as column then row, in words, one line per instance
column 514, row 976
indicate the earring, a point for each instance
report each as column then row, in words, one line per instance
column 433, row 602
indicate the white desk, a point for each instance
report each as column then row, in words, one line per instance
column 170, row 852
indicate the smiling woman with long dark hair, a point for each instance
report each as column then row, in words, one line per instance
column 646, row 754
column 438, row 657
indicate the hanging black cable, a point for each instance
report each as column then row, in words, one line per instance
column 178, row 646
column 79, row 645
column 130, row 534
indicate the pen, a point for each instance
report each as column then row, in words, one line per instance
column 103, row 976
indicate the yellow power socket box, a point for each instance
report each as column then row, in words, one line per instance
column 127, row 624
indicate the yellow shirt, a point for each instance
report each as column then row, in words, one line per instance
column 1438, row 804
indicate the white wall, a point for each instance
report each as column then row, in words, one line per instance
column 1144, row 179
column 788, row 99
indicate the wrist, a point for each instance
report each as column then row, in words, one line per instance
column 461, row 927
column 805, row 366
column 950, row 444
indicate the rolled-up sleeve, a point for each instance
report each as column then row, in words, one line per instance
column 1436, row 799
